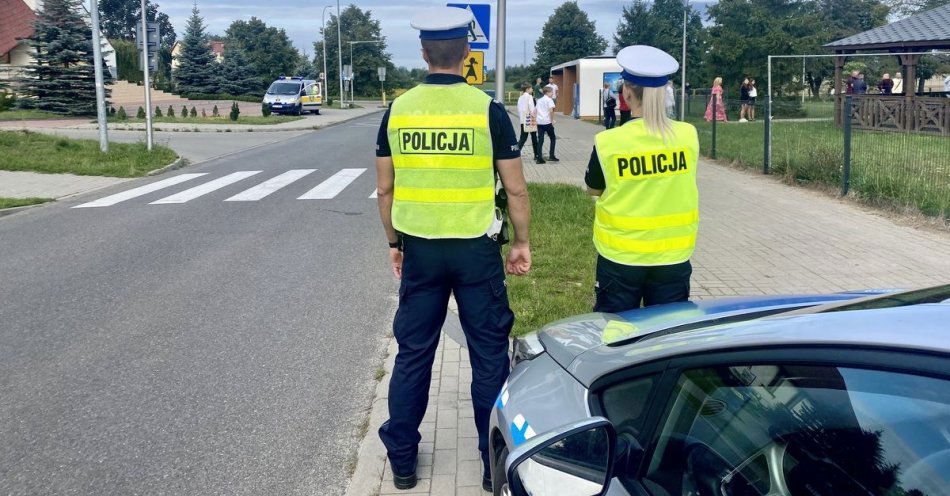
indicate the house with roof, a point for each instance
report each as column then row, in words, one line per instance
column 217, row 48
column 16, row 24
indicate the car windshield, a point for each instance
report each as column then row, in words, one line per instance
column 283, row 88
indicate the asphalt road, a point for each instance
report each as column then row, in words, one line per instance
column 199, row 347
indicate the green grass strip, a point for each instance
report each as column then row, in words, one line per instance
column 27, row 151
column 21, row 202
column 30, row 115
column 561, row 281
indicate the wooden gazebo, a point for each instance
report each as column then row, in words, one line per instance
column 912, row 37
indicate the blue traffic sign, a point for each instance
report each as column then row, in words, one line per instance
column 478, row 37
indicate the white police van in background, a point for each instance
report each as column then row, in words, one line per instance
column 294, row 96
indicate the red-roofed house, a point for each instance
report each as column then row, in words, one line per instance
column 16, row 22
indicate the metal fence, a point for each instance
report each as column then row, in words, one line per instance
column 883, row 167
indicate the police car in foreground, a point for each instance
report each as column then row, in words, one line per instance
column 834, row 395
column 294, row 95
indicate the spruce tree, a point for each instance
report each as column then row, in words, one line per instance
column 62, row 78
column 236, row 76
column 195, row 72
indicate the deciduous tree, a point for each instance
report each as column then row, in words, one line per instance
column 268, row 50
column 567, row 35
column 356, row 25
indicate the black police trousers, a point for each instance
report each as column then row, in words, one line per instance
column 626, row 287
column 431, row 269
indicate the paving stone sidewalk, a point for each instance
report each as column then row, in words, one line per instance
column 757, row 236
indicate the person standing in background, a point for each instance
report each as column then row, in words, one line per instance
column 538, row 87
column 946, row 86
column 670, row 100
column 886, row 86
column 526, row 116
column 553, row 86
column 859, row 86
column 609, row 103
column 624, row 109
column 743, row 100
column 753, row 94
column 716, row 95
column 898, row 88
column 544, row 110
column 849, row 83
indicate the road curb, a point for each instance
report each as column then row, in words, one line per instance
column 177, row 164
column 371, row 455
column 10, row 211
column 232, row 128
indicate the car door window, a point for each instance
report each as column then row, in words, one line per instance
column 625, row 404
column 803, row 430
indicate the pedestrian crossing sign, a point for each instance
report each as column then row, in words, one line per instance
column 473, row 68
column 478, row 37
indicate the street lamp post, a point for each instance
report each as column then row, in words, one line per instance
column 353, row 68
column 339, row 51
column 683, row 63
column 326, row 91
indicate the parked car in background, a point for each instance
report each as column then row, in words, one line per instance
column 294, row 96
column 829, row 395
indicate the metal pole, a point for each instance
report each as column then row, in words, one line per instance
column 352, row 74
column 145, row 70
column 500, row 53
column 683, row 76
column 803, row 80
column 100, row 88
column 767, row 160
column 846, row 172
column 326, row 90
column 339, row 51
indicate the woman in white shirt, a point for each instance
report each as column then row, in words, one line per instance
column 527, row 118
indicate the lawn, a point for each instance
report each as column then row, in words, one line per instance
column 255, row 120
column 23, row 115
column 26, row 151
column 890, row 168
column 21, row 202
column 561, row 281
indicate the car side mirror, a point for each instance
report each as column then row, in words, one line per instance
column 574, row 460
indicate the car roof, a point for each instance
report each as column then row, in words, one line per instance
column 918, row 328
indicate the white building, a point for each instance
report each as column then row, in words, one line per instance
column 16, row 22
column 580, row 82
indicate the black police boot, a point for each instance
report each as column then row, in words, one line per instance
column 552, row 158
column 403, row 481
column 539, row 160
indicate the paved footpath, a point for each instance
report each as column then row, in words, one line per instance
column 757, row 236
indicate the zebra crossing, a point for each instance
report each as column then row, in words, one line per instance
column 327, row 189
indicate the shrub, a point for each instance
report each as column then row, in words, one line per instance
column 184, row 111
column 158, row 111
column 112, row 111
column 235, row 111
column 214, row 112
column 265, row 110
column 204, row 115
column 121, row 115
column 140, row 114
column 171, row 112
column 194, row 113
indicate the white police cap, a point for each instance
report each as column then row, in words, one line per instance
column 646, row 66
column 442, row 23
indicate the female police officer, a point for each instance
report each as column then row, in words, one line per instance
column 437, row 151
column 645, row 175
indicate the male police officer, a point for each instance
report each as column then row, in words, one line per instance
column 438, row 148
column 645, row 175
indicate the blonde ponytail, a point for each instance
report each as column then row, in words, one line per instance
column 653, row 106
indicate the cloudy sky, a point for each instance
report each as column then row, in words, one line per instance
column 525, row 19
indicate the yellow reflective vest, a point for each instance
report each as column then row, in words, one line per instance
column 649, row 211
column 442, row 155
